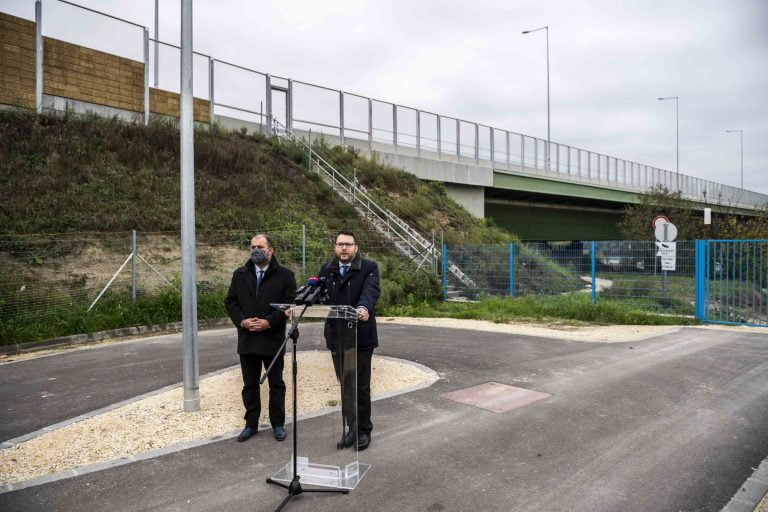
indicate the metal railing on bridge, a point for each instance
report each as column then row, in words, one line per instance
column 242, row 95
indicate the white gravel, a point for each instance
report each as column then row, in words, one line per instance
column 158, row 421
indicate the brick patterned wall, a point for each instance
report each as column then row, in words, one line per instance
column 17, row 61
column 168, row 103
column 78, row 73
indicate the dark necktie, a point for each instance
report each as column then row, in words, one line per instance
column 344, row 269
column 259, row 277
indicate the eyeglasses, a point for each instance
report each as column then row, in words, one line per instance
column 343, row 245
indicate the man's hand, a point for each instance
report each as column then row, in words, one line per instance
column 362, row 313
column 255, row 324
column 261, row 324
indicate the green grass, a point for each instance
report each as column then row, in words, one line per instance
column 577, row 308
column 109, row 313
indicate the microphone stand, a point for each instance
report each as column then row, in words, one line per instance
column 294, row 488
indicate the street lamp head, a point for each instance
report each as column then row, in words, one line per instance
column 536, row 30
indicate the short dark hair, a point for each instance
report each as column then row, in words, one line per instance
column 265, row 237
column 346, row 232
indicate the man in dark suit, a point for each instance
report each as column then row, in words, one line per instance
column 260, row 331
column 353, row 281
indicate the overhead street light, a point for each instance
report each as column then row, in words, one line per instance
column 677, row 138
column 741, row 149
column 549, row 137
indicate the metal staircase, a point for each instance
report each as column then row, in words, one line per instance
column 406, row 239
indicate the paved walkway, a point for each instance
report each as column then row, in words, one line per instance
column 675, row 422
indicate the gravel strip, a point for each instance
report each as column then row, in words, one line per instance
column 157, row 422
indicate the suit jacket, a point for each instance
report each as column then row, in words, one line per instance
column 359, row 287
column 277, row 286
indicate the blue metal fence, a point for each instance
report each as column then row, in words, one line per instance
column 732, row 282
column 717, row 281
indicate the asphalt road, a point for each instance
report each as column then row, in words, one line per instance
column 672, row 423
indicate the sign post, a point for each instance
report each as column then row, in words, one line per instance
column 666, row 233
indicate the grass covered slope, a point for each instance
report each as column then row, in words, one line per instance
column 71, row 174
column 68, row 174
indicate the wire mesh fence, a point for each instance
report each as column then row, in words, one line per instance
column 44, row 275
column 625, row 271
column 48, row 276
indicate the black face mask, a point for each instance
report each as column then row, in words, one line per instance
column 259, row 256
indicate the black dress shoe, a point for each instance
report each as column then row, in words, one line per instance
column 280, row 433
column 347, row 440
column 363, row 441
column 246, row 434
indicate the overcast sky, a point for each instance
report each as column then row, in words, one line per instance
column 609, row 62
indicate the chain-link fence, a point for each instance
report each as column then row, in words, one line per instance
column 46, row 275
column 626, row 271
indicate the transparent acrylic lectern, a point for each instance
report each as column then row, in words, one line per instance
column 325, row 444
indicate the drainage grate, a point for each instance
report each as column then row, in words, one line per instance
column 495, row 397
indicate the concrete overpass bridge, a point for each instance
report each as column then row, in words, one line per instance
column 539, row 189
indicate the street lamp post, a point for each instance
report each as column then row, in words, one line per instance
column 677, row 138
column 741, row 150
column 549, row 135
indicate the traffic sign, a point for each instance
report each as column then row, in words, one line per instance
column 665, row 232
column 657, row 219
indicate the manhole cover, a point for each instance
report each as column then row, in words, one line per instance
column 495, row 397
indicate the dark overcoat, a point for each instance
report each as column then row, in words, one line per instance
column 359, row 287
column 277, row 286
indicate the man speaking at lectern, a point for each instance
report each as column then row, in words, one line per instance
column 354, row 281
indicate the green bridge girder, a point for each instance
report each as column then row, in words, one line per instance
column 552, row 214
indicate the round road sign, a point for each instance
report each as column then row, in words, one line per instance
column 658, row 220
column 665, row 232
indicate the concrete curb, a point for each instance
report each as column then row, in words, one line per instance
column 123, row 332
column 751, row 491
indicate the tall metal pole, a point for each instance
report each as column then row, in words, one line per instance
column 677, row 138
column 39, row 56
column 549, row 133
column 157, row 44
column 741, row 150
column 188, row 285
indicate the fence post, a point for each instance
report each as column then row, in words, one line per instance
column 269, row 104
column 211, row 97
column 309, row 152
column 434, row 255
column 38, row 56
column 341, row 116
column 700, row 277
column 594, row 274
column 133, row 265
column 445, row 273
column 511, row 269
column 146, row 76
column 303, row 249
column 370, row 123
column 394, row 126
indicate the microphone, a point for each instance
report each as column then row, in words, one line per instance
column 304, row 291
column 317, row 293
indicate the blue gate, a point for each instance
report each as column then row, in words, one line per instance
column 732, row 282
